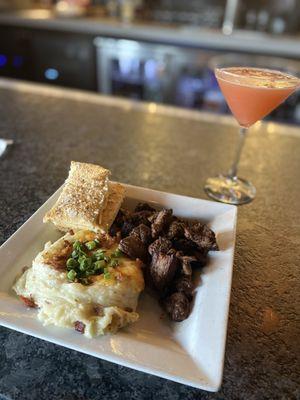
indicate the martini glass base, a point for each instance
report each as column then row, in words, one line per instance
column 231, row 190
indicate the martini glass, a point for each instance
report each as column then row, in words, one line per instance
column 251, row 94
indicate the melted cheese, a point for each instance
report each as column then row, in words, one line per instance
column 103, row 306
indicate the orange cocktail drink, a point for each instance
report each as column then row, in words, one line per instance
column 251, row 94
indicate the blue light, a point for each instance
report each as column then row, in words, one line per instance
column 18, row 61
column 3, row 60
column 51, row 74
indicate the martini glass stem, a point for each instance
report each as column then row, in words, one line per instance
column 232, row 173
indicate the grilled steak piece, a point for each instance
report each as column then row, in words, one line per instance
column 200, row 234
column 133, row 220
column 177, row 306
column 143, row 207
column 127, row 227
column 141, row 217
column 113, row 230
column 163, row 268
column 143, row 232
column 184, row 285
column 152, row 217
column 134, row 248
column 161, row 223
column 201, row 259
column 176, row 230
column 160, row 245
column 186, row 263
column 185, row 246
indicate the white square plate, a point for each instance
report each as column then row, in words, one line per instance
column 190, row 352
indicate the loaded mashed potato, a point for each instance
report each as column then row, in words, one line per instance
column 83, row 281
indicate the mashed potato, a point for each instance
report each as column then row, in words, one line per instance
column 105, row 305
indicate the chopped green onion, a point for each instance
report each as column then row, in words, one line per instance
column 99, row 255
column 99, row 264
column 77, row 245
column 81, row 258
column 114, row 263
column 78, row 248
column 117, row 253
column 74, row 254
column 71, row 263
column 91, row 245
column 72, row 275
column 107, row 275
column 85, row 263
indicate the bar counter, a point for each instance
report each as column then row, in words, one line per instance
column 189, row 36
column 171, row 150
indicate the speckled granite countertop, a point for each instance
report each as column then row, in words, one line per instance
column 175, row 151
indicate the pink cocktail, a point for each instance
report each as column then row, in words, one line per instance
column 251, row 94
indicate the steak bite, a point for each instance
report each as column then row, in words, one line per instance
column 143, row 232
column 184, row 245
column 176, row 230
column 134, row 220
column 141, row 217
column 119, row 221
column 186, row 263
column 134, row 248
column 163, row 268
column 160, row 245
column 127, row 227
column 201, row 235
column 201, row 259
column 161, row 222
column 177, row 306
column 184, row 285
column 152, row 217
column 144, row 207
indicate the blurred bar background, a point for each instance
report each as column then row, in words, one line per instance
column 160, row 51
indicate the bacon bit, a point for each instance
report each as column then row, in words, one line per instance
column 105, row 240
column 79, row 327
column 119, row 276
column 59, row 261
column 29, row 302
column 71, row 232
column 98, row 309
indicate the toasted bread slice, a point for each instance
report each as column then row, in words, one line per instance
column 115, row 199
column 82, row 200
